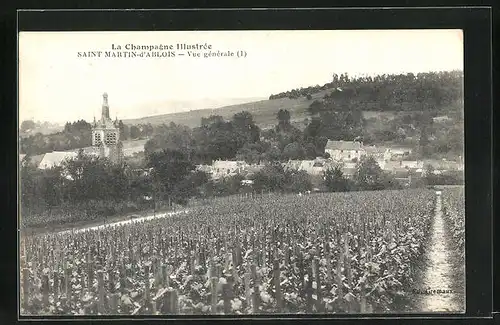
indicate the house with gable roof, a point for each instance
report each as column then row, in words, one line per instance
column 226, row 168
column 55, row 158
column 313, row 166
column 33, row 160
column 344, row 150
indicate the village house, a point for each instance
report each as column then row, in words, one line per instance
column 402, row 175
column 381, row 162
column 379, row 153
column 204, row 168
column 344, row 150
column 92, row 151
column 445, row 165
column 55, row 158
column 313, row 167
column 411, row 165
column 442, row 118
column 349, row 165
column 348, row 171
column 249, row 170
column 226, row 168
column 397, row 153
column 292, row 164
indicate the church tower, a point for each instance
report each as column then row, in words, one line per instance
column 106, row 135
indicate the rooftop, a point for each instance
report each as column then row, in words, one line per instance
column 375, row 150
column 228, row 163
column 55, row 158
column 344, row 145
column 35, row 160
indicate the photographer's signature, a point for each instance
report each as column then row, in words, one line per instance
column 430, row 291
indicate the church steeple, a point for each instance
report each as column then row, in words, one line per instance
column 106, row 134
column 105, row 107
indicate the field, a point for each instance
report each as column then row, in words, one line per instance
column 318, row 253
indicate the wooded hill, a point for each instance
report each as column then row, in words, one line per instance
column 434, row 92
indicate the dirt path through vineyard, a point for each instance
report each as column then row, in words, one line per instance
column 123, row 222
column 441, row 286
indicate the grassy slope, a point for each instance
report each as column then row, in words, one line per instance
column 264, row 112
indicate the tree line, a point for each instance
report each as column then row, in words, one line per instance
column 75, row 135
column 403, row 92
column 89, row 187
column 416, row 99
column 238, row 138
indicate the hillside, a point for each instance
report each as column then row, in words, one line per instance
column 435, row 93
column 264, row 112
column 382, row 109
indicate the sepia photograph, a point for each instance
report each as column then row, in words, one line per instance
column 260, row 172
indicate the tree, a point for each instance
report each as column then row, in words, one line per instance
column 429, row 176
column 124, row 130
column 320, row 144
column 283, row 117
column 314, row 129
column 191, row 186
column 270, row 178
column 173, row 136
column 250, row 153
column 369, row 175
column 212, row 119
column 298, row 182
column 80, row 126
column 245, row 129
column 310, row 151
column 225, row 186
column 135, row 133
column 86, row 173
column 169, row 167
column 140, row 187
column 117, row 182
column 315, row 107
column 29, row 183
column 335, row 181
column 293, row 151
column 243, row 120
column 52, row 187
column 27, row 125
column 272, row 154
column 424, row 142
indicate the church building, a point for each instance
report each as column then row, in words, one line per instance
column 106, row 135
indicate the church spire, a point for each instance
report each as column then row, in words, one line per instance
column 105, row 107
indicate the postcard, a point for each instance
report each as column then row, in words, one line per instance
column 241, row 172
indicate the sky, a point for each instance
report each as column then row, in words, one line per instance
column 58, row 85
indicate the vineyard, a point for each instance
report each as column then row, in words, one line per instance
column 454, row 211
column 319, row 253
